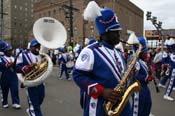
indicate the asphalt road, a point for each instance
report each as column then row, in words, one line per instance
column 62, row 99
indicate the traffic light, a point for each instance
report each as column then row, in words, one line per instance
column 154, row 20
column 160, row 25
column 148, row 15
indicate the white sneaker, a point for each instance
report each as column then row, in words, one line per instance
column 5, row 106
column 27, row 110
column 173, row 88
column 69, row 79
column 16, row 106
column 166, row 97
column 31, row 112
column 151, row 114
column 60, row 78
column 160, row 85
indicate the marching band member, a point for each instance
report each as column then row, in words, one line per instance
column 142, row 100
column 9, row 78
column 25, row 63
column 89, row 41
column 2, row 46
column 172, row 71
column 158, row 62
column 165, row 65
column 63, row 60
column 99, row 66
column 77, row 49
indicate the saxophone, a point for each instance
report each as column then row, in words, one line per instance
column 115, row 109
column 167, row 72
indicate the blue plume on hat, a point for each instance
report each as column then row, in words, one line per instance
column 33, row 42
column 104, row 18
column 143, row 42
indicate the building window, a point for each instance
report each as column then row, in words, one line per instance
column 20, row 8
column 49, row 13
column 39, row 15
column 54, row 12
column 15, row 6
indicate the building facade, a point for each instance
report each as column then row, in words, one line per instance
column 18, row 22
column 155, row 40
column 130, row 17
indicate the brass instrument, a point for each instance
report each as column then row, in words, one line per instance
column 167, row 72
column 115, row 109
column 37, row 70
column 50, row 33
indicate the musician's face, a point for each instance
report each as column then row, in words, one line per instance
column 144, row 56
column 8, row 53
column 35, row 49
column 112, row 37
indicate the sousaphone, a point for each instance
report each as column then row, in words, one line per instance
column 51, row 34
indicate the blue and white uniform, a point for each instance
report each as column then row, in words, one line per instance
column 142, row 100
column 171, row 42
column 63, row 60
column 1, row 54
column 165, row 63
column 2, row 46
column 9, row 80
column 36, row 94
column 172, row 74
column 98, row 65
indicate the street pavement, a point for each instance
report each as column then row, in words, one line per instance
column 62, row 99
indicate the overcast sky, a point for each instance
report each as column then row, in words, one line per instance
column 164, row 10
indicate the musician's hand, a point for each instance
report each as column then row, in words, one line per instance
column 150, row 77
column 111, row 95
column 27, row 69
column 22, row 85
column 33, row 65
column 9, row 64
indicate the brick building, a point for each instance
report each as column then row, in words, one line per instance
column 130, row 16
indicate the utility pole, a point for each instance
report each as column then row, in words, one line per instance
column 71, row 23
column 70, row 12
column 157, row 25
column 2, row 16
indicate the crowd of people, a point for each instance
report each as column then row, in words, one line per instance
column 97, row 68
